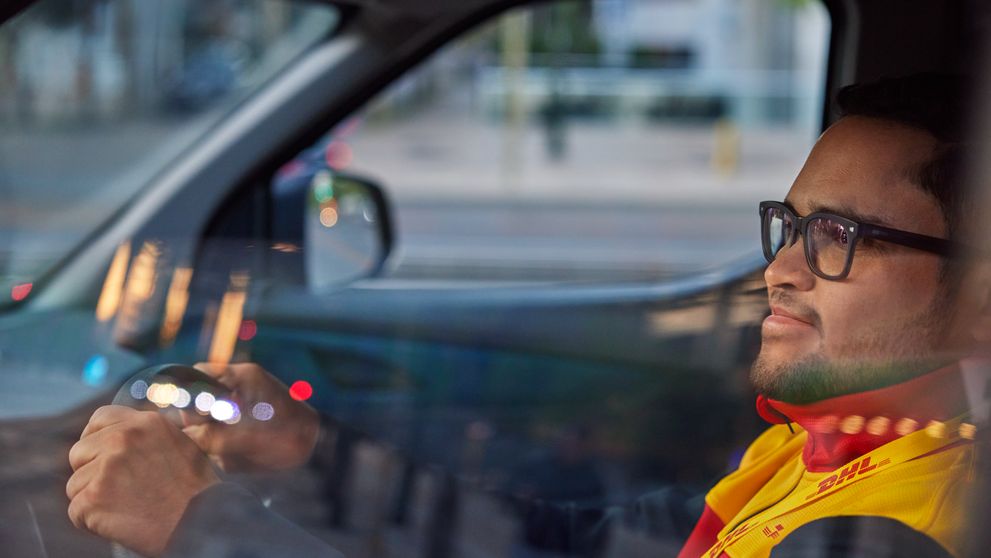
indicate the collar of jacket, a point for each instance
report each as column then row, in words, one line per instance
column 843, row 428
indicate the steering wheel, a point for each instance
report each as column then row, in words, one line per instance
column 172, row 385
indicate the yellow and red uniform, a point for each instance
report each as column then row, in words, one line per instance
column 898, row 453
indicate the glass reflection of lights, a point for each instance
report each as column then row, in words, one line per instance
column 95, row 370
column 328, row 217
column 323, row 187
column 204, row 402
column 182, row 399
column 113, row 285
column 968, row 431
column 20, row 292
column 248, row 330
column 935, row 429
column 301, row 390
column 852, row 424
column 229, row 317
column 222, row 410
column 827, row 424
column 139, row 389
column 338, row 155
column 878, row 426
column 163, row 395
column 175, row 305
column 236, row 418
column 263, row 411
column 906, row 426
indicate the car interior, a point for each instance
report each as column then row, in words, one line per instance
column 471, row 335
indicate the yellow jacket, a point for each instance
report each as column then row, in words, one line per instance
column 890, row 453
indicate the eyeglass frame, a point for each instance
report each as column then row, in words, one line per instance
column 856, row 230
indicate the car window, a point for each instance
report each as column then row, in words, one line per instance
column 600, row 140
column 553, row 361
column 484, row 406
column 99, row 97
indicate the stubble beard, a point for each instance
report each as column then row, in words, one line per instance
column 884, row 360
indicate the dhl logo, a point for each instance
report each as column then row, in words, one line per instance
column 849, row 472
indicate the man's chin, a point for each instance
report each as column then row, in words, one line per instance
column 814, row 379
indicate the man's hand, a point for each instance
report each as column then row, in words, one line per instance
column 284, row 441
column 135, row 473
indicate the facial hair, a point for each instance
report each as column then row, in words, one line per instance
column 886, row 361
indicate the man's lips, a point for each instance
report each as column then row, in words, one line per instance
column 781, row 318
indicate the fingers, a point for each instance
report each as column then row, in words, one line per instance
column 79, row 479
column 203, row 435
column 107, row 416
column 192, row 418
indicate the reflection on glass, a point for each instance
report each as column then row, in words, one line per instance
column 113, row 285
column 175, row 304
column 225, row 333
column 138, row 289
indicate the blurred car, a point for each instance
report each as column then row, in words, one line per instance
column 465, row 354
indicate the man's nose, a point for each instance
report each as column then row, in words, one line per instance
column 790, row 268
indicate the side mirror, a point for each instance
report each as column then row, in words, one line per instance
column 333, row 228
column 347, row 232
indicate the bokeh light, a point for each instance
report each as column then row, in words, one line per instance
column 222, row 410
column 248, row 330
column 338, row 155
column 328, row 217
column 906, row 426
column 878, row 426
column 182, row 399
column 236, row 416
column 263, row 411
column 163, row 395
column 301, row 390
column 936, row 429
column 20, row 292
column 968, row 431
column 204, row 402
column 139, row 389
column 852, row 424
column 95, row 370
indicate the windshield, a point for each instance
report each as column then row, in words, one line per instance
column 97, row 97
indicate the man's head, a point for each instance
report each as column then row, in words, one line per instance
column 894, row 159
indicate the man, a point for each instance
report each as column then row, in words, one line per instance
column 871, row 307
column 870, row 310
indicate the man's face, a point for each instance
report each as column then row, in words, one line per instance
column 825, row 338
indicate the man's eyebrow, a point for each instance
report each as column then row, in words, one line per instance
column 849, row 212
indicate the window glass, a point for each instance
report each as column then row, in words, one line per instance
column 613, row 139
column 98, row 97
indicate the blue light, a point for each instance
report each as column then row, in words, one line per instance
column 95, row 371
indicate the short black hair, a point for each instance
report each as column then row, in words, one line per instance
column 935, row 103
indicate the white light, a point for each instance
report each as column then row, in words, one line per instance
column 163, row 395
column 222, row 410
column 263, row 411
column 182, row 399
column 139, row 389
column 237, row 415
column 204, row 402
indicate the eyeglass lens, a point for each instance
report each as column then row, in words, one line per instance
column 828, row 243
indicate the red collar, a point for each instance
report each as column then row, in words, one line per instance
column 846, row 427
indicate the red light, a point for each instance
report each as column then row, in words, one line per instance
column 20, row 292
column 338, row 155
column 248, row 330
column 301, row 390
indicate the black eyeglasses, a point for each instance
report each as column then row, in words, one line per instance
column 830, row 239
